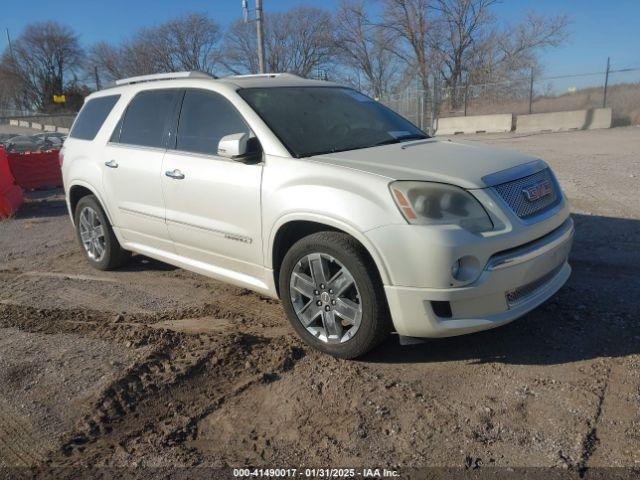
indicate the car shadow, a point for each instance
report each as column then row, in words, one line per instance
column 596, row 314
column 140, row 263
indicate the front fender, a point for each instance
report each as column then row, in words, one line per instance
column 331, row 222
column 342, row 198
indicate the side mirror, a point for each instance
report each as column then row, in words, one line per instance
column 238, row 146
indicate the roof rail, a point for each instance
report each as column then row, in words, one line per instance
column 265, row 75
column 163, row 76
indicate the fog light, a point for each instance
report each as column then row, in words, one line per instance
column 465, row 269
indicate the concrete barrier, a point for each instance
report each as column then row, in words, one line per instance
column 63, row 120
column 62, row 130
column 49, row 128
column 562, row 121
column 475, row 124
column 36, row 126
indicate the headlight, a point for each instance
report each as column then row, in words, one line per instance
column 427, row 203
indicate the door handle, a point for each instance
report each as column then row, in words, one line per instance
column 111, row 164
column 175, row 174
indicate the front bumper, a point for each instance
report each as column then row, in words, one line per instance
column 512, row 283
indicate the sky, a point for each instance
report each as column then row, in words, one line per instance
column 598, row 28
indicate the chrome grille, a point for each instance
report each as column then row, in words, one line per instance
column 521, row 294
column 513, row 193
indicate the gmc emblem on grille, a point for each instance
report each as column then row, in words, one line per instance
column 537, row 191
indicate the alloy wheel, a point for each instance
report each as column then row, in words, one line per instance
column 325, row 298
column 92, row 234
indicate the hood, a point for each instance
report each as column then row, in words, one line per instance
column 465, row 164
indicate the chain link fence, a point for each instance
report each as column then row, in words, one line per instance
column 618, row 89
column 414, row 105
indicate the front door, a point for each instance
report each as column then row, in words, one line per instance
column 213, row 203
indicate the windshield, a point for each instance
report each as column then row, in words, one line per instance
column 315, row 120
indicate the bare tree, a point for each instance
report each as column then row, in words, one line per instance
column 240, row 48
column 186, row 43
column 109, row 60
column 299, row 41
column 45, row 58
column 465, row 26
column 461, row 40
column 409, row 22
column 10, row 87
column 470, row 43
column 138, row 56
column 517, row 48
column 365, row 47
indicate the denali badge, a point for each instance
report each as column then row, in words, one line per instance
column 537, row 191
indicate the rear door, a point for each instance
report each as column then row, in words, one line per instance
column 212, row 203
column 133, row 166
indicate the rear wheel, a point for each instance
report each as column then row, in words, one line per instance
column 333, row 296
column 94, row 232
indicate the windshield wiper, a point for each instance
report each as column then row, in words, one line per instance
column 400, row 139
column 384, row 142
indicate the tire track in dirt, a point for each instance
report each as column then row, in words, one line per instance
column 175, row 366
column 20, row 444
column 149, row 406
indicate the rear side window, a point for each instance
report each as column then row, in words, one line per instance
column 147, row 118
column 92, row 116
column 205, row 118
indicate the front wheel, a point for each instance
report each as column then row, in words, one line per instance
column 333, row 296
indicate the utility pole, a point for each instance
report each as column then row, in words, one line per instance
column 259, row 19
column 466, row 95
column 95, row 73
column 434, row 105
column 13, row 57
column 531, row 93
column 606, row 83
column 260, row 32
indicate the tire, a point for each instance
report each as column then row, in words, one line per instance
column 106, row 254
column 334, row 252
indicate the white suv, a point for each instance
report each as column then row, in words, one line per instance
column 313, row 193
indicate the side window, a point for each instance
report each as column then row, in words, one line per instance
column 146, row 118
column 205, row 118
column 92, row 116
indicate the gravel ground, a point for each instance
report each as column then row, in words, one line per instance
column 106, row 369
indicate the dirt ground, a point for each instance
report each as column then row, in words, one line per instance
column 152, row 366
